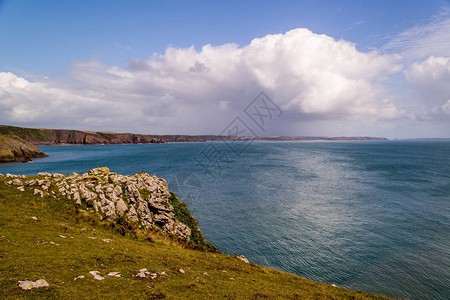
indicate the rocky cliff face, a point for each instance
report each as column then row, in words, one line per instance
column 13, row 148
column 141, row 199
column 39, row 136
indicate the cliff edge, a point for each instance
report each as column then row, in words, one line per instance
column 133, row 204
column 13, row 148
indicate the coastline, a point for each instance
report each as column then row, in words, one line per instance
column 55, row 232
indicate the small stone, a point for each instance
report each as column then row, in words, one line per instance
column 205, row 273
column 79, row 277
column 63, row 236
column 16, row 182
column 182, row 271
column 243, row 258
column 21, row 188
column 153, row 275
column 333, row 285
column 114, row 274
column 96, row 275
column 92, row 237
column 107, row 240
column 34, row 218
column 38, row 192
column 28, row 285
column 143, row 273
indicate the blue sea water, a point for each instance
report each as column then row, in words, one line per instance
column 369, row 216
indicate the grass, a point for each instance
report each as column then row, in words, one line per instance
column 27, row 254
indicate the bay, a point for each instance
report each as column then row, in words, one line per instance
column 369, row 216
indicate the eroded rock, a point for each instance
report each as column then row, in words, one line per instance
column 141, row 198
column 28, row 285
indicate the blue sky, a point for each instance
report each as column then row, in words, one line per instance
column 61, row 49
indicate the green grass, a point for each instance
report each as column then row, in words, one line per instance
column 26, row 254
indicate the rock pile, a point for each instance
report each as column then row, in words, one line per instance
column 140, row 198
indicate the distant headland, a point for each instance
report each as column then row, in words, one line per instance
column 15, row 139
column 39, row 136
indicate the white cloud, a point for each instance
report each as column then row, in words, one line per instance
column 446, row 107
column 188, row 91
column 431, row 78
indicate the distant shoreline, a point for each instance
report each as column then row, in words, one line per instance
column 53, row 137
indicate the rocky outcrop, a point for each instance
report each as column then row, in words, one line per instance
column 141, row 199
column 13, row 148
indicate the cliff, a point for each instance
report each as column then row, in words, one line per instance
column 137, row 202
column 38, row 136
column 13, row 148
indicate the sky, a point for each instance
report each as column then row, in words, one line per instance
column 332, row 68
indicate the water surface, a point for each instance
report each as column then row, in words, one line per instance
column 370, row 216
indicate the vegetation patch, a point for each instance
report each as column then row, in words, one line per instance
column 183, row 215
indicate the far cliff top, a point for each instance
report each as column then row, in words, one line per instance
column 41, row 136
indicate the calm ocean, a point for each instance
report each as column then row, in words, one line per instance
column 370, row 216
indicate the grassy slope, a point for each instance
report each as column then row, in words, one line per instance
column 24, row 256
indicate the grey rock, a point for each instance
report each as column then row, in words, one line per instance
column 38, row 192
column 16, row 182
column 28, row 285
column 121, row 207
column 108, row 208
column 76, row 198
column 159, row 204
column 132, row 214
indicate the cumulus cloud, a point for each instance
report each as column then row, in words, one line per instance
column 310, row 76
column 431, row 78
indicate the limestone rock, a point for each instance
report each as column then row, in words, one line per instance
column 121, row 207
column 96, row 275
column 16, row 182
column 243, row 258
column 28, row 285
column 143, row 273
column 112, row 195
column 132, row 214
column 38, row 192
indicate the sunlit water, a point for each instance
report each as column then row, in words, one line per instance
column 370, row 216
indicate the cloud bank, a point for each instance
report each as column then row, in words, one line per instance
column 312, row 77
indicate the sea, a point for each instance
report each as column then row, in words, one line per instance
column 372, row 216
